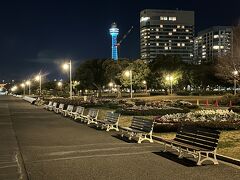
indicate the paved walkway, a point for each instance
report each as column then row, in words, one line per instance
column 37, row 144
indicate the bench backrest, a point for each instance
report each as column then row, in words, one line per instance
column 61, row 106
column 198, row 136
column 142, row 124
column 70, row 108
column 54, row 104
column 80, row 110
column 93, row 113
column 112, row 117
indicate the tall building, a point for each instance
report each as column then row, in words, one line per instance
column 167, row 32
column 114, row 33
column 212, row 43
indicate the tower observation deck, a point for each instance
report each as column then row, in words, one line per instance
column 114, row 33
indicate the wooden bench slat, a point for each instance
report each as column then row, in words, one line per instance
column 194, row 140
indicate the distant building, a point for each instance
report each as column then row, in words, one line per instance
column 114, row 31
column 167, row 32
column 212, row 43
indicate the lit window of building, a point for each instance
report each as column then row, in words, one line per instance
column 216, row 36
column 187, row 30
column 174, row 30
column 172, row 18
column 166, row 48
column 187, row 37
column 183, row 27
column 169, row 33
column 178, row 44
column 157, row 37
column 183, row 44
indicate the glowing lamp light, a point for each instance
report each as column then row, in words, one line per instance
column 59, row 84
column 65, row 66
column 235, row 73
column 37, row 78
column 144, row 82
column 127, row 73
column 169, row 78
column 110, row 84
column 22, row 85
column 28, row 83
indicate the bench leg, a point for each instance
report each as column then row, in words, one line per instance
column 180, row 156
column 200, row 160
column 111, row 126
column 145, row 138
column 165, row 147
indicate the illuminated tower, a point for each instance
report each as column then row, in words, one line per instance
column 114, row 33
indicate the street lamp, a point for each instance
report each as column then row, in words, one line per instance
column 170, row 79
column 23, row 86
column 110, row 86
column 145, row 84
column 59, row 84
column 235, row 73
column 129, row 74
column 14, row 88
column 67, row 66
column 39, row 78
column 29, row 87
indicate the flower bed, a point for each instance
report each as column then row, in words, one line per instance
column 217, row 119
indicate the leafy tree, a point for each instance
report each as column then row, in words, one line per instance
column 163, row 66
column 140, row 72
column 91, row 75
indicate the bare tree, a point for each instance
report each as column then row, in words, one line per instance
column 228, row 66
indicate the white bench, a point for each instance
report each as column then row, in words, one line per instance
column 91, row 117
column 140, row 128
column 29, row 99
column 78, row 113
column 68, row 110
column 110, row 121
column 46, row 106
column 59, row 108
column 51, row 108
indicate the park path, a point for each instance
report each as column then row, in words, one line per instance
column 53, row 147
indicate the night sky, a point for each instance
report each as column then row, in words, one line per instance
column 39, row 35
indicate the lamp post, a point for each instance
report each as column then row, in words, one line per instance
column 129, row 74
column 67, row 66
column 235, row 73
column 29, row 87
column 23, row 86
column 110, row 86
column 170, row 79
column 39, row 78
column 145, row 84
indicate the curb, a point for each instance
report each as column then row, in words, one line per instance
column 219, row 156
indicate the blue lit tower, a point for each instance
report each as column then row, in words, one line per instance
column 114, row 33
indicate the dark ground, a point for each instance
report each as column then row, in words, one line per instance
column 37, row 144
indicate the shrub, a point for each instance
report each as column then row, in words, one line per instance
column 151, row 112
column 183, row 93
column 235, row 99
column 157, row 93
